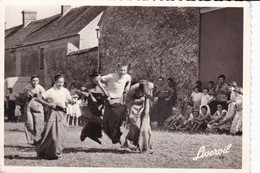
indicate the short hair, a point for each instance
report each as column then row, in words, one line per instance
column 58, row 76
column 196, row 87
column 205, row 107
column 222, row 76
column 199, row 82
column 122, row 65
column 72, row 84
column 34, row 76
column 206, row 89
column 160, row 77
column 170, row 79
column 211, row 82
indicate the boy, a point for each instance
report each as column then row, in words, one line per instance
column 117, row 83
column 115, row 110
column 196, row 97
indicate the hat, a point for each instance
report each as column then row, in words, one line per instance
column 232, row 83
column 239, row 90
column 94, row 73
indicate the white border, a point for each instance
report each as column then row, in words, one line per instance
column 246, row 81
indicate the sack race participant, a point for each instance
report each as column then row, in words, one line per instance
column 34, row 112
column 52, row 142
column 115, row 110
column 138, row 101
column 92, row 111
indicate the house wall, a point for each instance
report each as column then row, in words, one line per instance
column 26, row 60
column 88, row 35
column 221, row 48
column 155, row 41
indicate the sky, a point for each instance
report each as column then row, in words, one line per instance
column 13, row 14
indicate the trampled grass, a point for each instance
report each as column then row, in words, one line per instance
column 171, row 150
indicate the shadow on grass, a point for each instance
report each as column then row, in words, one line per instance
column 96, row 150
column 19, row 157
column 19, row 147
column 16, row 130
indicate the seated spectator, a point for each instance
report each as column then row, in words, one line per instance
column 188, row 125
column 202, row 120
column 196, row 97
column 174, row 121
column 217, row 116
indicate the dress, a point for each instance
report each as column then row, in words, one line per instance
column 52, row 142
column 237, row 121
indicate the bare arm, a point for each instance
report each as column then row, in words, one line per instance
column 42, row 101
column 99, row 83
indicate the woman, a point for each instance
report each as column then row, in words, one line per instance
column 236, row 126
column 51, row 144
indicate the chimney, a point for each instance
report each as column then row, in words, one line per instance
column 28, row 16
column 65, row 9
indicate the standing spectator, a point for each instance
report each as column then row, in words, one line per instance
column 164, row 93
column 211, row 88
column 34, row 112
column 196, row 98
column 236, row 127
column 11, row 97
column 198, row 84
column 222, row 93
column 205, row 99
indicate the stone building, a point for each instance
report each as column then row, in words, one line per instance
column 65, row 43
column 186, row 44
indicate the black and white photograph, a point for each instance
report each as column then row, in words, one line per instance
column 127, row 86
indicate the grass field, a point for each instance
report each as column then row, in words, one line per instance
column 171, row 150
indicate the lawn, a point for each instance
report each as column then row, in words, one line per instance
column 171, row 150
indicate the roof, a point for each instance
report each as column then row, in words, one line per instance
column 52, row 28
column 82, row 51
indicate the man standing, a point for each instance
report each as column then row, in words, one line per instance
column 11, row 97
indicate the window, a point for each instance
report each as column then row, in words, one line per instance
column 41, row 59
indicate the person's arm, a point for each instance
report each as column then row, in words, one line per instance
column 99, row 83
column 127, row 87
column 42, row 101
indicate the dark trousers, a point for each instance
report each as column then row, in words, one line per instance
column 11, row 109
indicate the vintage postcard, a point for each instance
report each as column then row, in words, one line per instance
column 125, row 86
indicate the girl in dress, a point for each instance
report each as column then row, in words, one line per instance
column 52, row 142
column 76, row 112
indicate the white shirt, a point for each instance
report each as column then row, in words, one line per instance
column 12, row 96
column 205, row 99
column 59, row 96
column 115, row 84
column 28, row 89
column 196, row 96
